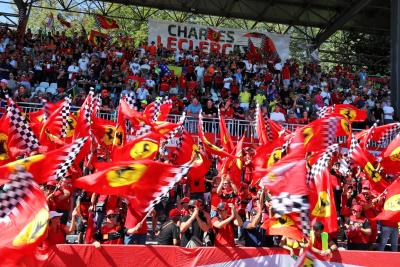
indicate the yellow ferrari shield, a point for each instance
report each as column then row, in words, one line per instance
column 370, row 170
column 345, row 126
column 323, row 206
column 392, row 203
column 395, row 155
column 33, row 230
column 308, row 134
column 3, row 146
column 283, row 221
column 71, row 124
column 143, row 149
column 26, row 162
column 274, row 157
column 113, row 136
column 349, row 114
column 126, row 175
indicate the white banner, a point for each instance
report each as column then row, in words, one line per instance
column 174, row 35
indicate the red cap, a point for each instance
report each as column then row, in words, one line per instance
column 185, row 200
column 110, row 212
column 174, row 213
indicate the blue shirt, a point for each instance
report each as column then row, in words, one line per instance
column 194, row 109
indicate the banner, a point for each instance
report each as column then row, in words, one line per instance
column 174, row 35
column 119, row 255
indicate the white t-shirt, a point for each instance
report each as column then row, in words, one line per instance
column 72, row 69
column 277, row 116
column 227, row 82
column 278, row 66
column 150, row 83
column 199, row 71
column 326, row 96
column 135, row 67
column 142, row 93
column 83, row 63
column 387, row 111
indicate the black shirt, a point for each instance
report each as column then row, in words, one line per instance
column 168, row 233
column 256, row 237
column 193, row 230
column 210, row 111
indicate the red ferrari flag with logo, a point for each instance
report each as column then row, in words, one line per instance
column 127, row 178
column 260, row 128
column 226, row 139
column 145, row 147
column 391, row 207
column 391, row 157
column 284, row 226
column 350, row 112
column 105, row 23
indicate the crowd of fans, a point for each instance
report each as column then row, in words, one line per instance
column 210, row 210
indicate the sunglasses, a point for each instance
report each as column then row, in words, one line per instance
column 365, row 188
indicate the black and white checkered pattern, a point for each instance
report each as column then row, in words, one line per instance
column 67, row 161
column 286, row 145
column 65, row 111
column 322, row 112
column 388, row 135
column 20, row 127
column 17, row 188
column 352, row 148
column 143, row 130
column 157, row 109
column 88, row 107
column 179, row 174
column 371, row 133
column 329, row 131
column 44, row 105
column 286, row 204
column 322, row 163
column 131, row 100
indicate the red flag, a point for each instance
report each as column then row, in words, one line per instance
column 269, row 50
column 145, row 147
column 139, row 178
column 213, row 35
column 150, row 112
column 108, row 133
column 63, row 21
column 360, row 158
column 134, row 116
column 211, row 148
column 97, row 38
column 105, row 23
column 233, row 166
column 350, row 112
column 284, row 226
column 253, row 52
column 391, row 208
column 391, row 157
column 24, row 220
column 53, row 164
column 260, row 128
column 201, row 165
column 226, row 139
column 322, row 202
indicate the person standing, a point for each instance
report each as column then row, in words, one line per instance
column 169, row 232
column 358, row 230
column 193, row 226
column 224, row 224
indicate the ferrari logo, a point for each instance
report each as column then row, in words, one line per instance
column 308, row 134
column 225, row 139
column 283, row 221
column 395, row 155
column 143, row 149
column 126, row 175
column 113, row 136
column 71, row 124
column 323, row 206
column 3, row 146
column 392, row 203
column 198, row 159
column 370, row 170
column 271, row 177
column 26, row 162
column 349, row 114
column 345, row 125
column 274, row 157
column 33, row 230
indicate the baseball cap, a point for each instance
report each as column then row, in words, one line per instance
column 185, row 200
column 174, row 213
column 54, row 213
column 4, row 81
column 192, row 203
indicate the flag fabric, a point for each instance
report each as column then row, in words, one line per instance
column 263, row 138
column 226, row 139
column 284, row 226
column 145, row 147
column 63, row 21
column 268, row 49
column 211, row 148
column 350, row 112
column 253, row 53
column 391, row 207
column 20, row 128
column 97, row 38
column 213, row 35
column 359, row 158
column 24, row 219
column 105, row 23
column 108, row 133
column 391, row 157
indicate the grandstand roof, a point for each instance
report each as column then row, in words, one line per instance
column 369, row 16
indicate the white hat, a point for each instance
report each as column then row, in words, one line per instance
column 55, row 214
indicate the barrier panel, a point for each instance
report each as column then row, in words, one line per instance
column 119, row 255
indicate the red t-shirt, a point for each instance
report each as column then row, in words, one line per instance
column 62, row 204
column 55, row 236
column 197, row 184
column 164, row 87
column 225, row 236
column 105, row 231
column 133, row 217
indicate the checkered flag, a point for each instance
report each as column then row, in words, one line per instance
column 44, row 106
column 180, row 172
column 268, row 128
column 322, row 163
column 324, row 111
column 88, row 106
column 286, row 145
column 65, row 112
column 389, row 135
column 143, row 130
column 329, row 131
column 353, row 146
column 157, row 110
column 286, row 203
column 20, row 127
column 18, row 187
column 371, row 133
column 130, row 100
column 67, row 161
